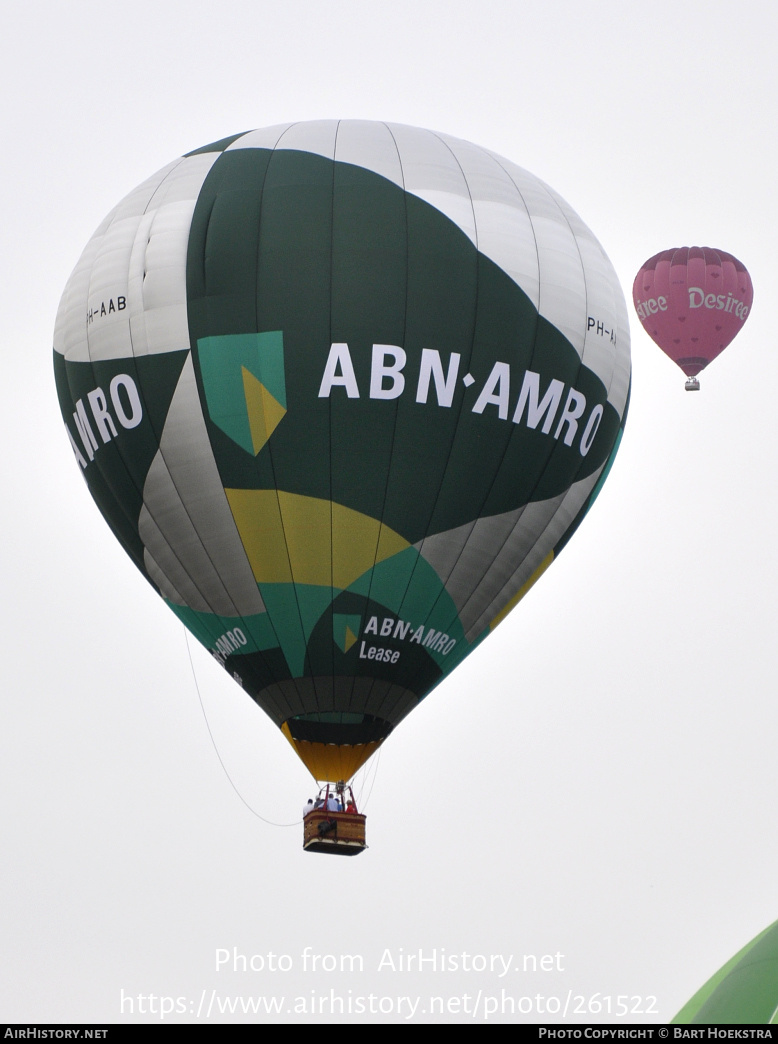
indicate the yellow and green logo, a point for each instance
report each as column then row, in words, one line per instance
column 245, row 386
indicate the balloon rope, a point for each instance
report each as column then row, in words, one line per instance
column 269, row 822
column 371, row 769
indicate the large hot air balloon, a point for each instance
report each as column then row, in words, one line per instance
column 343, row 391
column 744, row 991
column 692, row 301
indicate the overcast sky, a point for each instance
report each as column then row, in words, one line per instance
column 628, row 834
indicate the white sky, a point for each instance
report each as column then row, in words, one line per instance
column 598, row 780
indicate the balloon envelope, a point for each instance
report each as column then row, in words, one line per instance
column 342, row 390
column 692, row 301
column 744, row 991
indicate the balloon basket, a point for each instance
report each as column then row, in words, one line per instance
column 692, row 384
column 334, row 833
column 335, row 827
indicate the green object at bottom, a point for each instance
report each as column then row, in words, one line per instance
column 745, row 990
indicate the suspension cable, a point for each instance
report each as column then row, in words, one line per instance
column 253, row 811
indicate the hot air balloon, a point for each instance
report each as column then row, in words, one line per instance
column 744, row 991
column 692, row 301
column 343, row 390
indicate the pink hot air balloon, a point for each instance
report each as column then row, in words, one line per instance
column 692, row 301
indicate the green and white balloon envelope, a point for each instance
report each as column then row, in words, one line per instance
column 343, row 390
